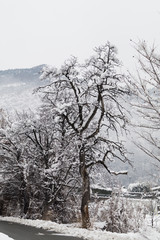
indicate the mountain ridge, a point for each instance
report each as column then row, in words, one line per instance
column 17, row 86
column 21, row 74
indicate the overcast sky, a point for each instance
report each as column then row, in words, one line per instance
column 34, row 32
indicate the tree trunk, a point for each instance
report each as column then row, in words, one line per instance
column 24, row 196
column 85, row 191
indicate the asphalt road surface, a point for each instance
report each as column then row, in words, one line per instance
column 22, row 232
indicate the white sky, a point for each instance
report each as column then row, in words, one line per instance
column 34, row 32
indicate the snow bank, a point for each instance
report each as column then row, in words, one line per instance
column 92, row 234
column 5, row 237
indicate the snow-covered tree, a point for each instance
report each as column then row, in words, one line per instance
column 33, row 165
column 56, row 176
column 85, row 102
column 13, row 165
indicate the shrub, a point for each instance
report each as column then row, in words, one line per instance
column 119, row 214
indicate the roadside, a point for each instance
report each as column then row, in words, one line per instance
column 18, row 231
column 5, row 237
column 92, row 234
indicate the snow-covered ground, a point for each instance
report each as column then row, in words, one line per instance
column 5, row 237
column 147, row 232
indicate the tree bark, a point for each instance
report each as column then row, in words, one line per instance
column 24, row 196
column 85, row 191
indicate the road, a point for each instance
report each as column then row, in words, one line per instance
column 22, row 232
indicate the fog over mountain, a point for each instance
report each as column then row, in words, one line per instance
column 17, row 86
column 16, row 94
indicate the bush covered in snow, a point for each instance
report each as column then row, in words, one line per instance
column 119, row 214
column 139, row 187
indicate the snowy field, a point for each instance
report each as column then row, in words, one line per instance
column 147, row 232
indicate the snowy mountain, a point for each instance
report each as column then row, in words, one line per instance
column 16, row 88
column 22, row 75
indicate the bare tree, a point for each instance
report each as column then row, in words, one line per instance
column 85, row 102
column 147, row 101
